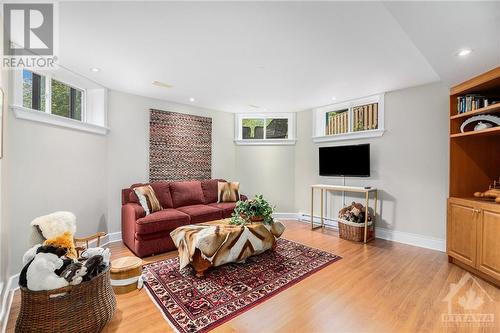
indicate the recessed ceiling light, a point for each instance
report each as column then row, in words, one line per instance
column 95, row 69
column 191, row 99
column 162, row 84
column 464, row 52
column 334, row 98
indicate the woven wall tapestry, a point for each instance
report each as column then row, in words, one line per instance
column 180, row 146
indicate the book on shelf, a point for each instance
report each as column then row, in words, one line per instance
column 471, row 102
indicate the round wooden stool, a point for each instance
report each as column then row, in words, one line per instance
column 126, row 274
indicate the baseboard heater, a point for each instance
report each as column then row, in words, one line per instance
column 307, row 218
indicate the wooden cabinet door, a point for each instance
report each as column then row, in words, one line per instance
column 461, row 235
column 489, row 242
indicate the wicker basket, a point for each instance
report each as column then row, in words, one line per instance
column 86, row 307
column 354, row 231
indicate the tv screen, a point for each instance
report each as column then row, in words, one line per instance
column 349, row 161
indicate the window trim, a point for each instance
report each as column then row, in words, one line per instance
column 46, row 116
column 319, row 120
column 43, row 117
column 238, row 131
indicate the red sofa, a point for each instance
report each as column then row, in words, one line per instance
column 183, row 203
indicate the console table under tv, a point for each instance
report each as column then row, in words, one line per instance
column 339, row 188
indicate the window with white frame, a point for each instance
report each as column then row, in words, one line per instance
column 61, row 98
column 355, row 119
column 64, row 100
column 276, row 128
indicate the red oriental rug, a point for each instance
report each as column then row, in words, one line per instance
column 194, row 304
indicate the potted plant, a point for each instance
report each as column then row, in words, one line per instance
column 255, row 210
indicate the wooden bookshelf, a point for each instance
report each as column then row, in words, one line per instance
column 487, row 131
column 473, row 226
column 491, row 109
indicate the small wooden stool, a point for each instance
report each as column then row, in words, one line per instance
column 125, row 274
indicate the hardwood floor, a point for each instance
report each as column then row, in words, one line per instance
column 379, row 287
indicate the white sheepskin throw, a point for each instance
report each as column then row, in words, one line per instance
column 41, row 274
column 30, row 254
column 94, row 251
column 56, row 224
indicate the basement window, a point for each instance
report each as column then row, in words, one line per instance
column 61, row 98
column 356, row 119
column 265, row 129
column 33, row 91
column 66, row 101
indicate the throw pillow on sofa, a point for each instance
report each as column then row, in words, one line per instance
column 147, row 199
column 228, row 192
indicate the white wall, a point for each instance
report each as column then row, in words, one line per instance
column 49, row 169
column 4, row 239
column 409, row 162
column 128, row 144
column 268, row 170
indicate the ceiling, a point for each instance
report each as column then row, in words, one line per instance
column 278, row 56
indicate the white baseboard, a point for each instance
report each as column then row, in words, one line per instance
column 427, row 242
column 11, row 286
column 13, row 283
column 284, row 216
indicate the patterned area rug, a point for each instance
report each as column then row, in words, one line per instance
column 194, row 304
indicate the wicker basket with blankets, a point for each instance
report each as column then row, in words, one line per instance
column 61, row 289
column 352, row 223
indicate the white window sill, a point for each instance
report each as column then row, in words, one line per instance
column 349, row 136
column 268, row 142
column 47, row 118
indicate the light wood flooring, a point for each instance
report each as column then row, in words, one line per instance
column 379, row 287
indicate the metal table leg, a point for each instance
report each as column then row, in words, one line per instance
column 366, row 215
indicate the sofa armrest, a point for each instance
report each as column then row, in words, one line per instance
column 243, row 197
column 133, row 211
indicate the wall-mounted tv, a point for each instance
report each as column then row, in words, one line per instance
column 347, row 161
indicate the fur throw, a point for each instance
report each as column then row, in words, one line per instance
column 55, row 224
column 94, row 251
column 30, row 255
column 223, row 243
column 65, row 241
column 74, row 273
column 40, row 274
column 94, row 266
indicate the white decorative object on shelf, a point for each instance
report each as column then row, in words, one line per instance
column 481, row 126
column 481, row 118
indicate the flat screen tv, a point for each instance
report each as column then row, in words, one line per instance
column 347, row 161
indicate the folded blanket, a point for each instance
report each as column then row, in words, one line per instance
column 222, row 243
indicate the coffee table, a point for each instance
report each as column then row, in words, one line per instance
column 217, row 243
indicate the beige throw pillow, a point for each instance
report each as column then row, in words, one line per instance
column 147, row 198
column 228, row 192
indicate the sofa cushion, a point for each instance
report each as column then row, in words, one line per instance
column 226, row 207
column 228, row 191
column 209, row 188
column 147, row 198
column 202, row 213
column 164, row 220
column 162, row 190
column 186, row 193
column 132, row 197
